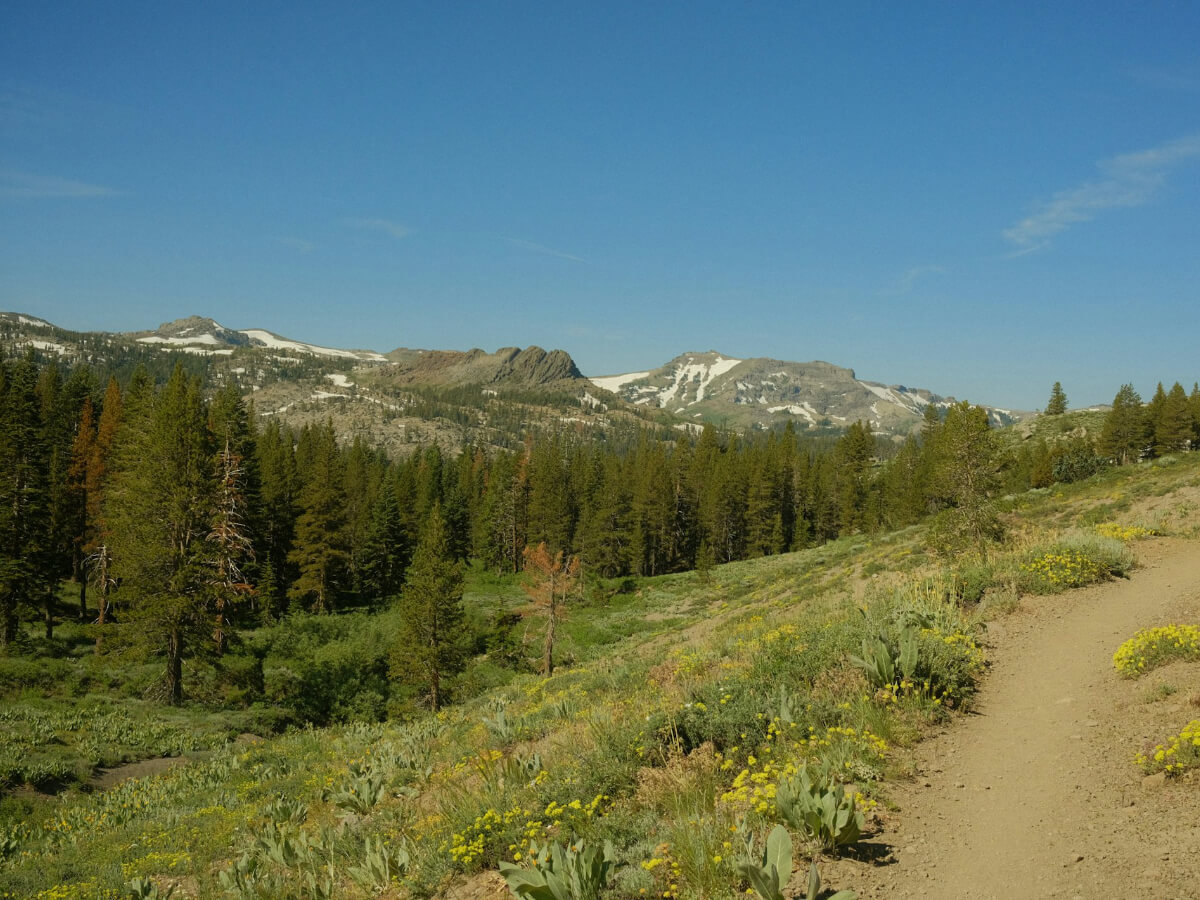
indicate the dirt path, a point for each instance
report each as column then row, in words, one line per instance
column 1036, row 795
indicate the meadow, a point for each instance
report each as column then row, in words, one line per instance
column 693, row 715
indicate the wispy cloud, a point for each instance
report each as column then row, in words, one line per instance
column 1166, row 79
column 543, row 249
column 26, row 186
column 906, row 282
column 298, row 244
column 387, row 226
column 1127, row 180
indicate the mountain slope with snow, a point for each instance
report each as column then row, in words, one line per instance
column 762, row 393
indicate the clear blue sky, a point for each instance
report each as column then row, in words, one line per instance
column 977, row 198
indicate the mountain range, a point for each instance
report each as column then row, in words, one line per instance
column 408, row 397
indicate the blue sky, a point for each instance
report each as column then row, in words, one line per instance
column 976, row 198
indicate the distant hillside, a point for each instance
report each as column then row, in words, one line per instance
column 766, row 392
column 405, row 399
column 411, row 397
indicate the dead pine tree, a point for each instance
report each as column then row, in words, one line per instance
column 98, row 566
column 230, row 540
column 550, row 583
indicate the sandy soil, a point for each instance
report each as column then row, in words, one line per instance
column 1036, row 794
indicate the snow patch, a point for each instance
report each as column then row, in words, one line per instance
column 47, row 345
column 615, row 382
column 203, row 351
column 266, row 339
column 29, row 320
column 339, row 379
column 802, row 409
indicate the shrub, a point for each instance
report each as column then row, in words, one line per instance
column 916, row 645
column 1124, row 532
column 1179, row 752
column 823, row 811
column 1154, row 647
column 1076, row 560
column 575, row 872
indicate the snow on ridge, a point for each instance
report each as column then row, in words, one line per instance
column 615, row 382
column 198, row 339
column 704, row 372
column 910, row 401
column 266, row 339
column 30, row 320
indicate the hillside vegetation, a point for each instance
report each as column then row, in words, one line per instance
column 699, row 712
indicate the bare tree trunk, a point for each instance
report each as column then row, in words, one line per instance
column 174, row 668
column 551, row 619
column 219, row 628
column 8, row 625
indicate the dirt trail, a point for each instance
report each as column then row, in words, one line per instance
column 1036, row 795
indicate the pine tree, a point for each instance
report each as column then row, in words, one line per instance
column 319, row 551
column 82, row 451
column 25, row 577
column 551, row 583
column 1041, row 473
column 853, row 455
column 966, row 472
column 1057, row 404
column 551, row 516
column 764, row 502
column 605, row 530
column 1194, row 405
column 98, row 553
column 61, row 407
column 276, row 515
column 652, row 510
column 1123, row 436
column 432, row 644
column 360, row 484
column 500, row 536
column 386, row 551
column 1173, row 427
column 160, row 507
column 903, row 489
